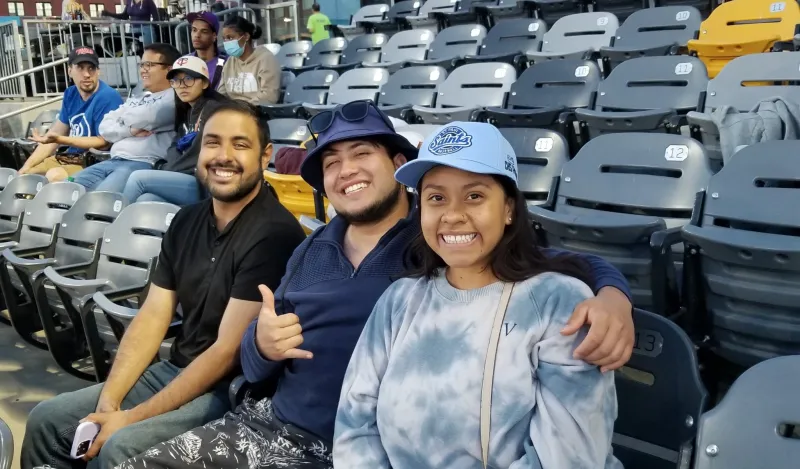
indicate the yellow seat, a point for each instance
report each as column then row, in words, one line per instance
column 293, row 193
column 744, row 27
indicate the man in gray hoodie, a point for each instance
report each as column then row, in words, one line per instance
column 139, row 131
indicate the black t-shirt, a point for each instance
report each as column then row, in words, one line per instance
column 207, row 267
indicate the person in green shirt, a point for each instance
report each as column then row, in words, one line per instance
column 316, row 25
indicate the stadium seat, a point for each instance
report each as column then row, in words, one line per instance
column 395, row 20
column 741, row 85
column 367, row 14
column 73, row 243
column 624, row 197
column 755, row 424
column 451, row 45
column 6, row 175
column 622, row 9
column 13, row 200
column 467, row 90
column 292, row 55
column 735, row 29
column 467, row 12
column 575, row 36
column 309, row 87
column 648, row 94
column 286, row 78
column 548, row 10
column 402, row 47
column 545, row 96
column 510, row 41
column 653, row 32
column 353, row 85
column 743, row 255
column 660, row 397
column 364, row 48
column 121, row 266
column 409, row 87
column 6, row 446
column 426, row 18
column 286, row 133
column 325, row 53
column 293, row 193
column 272, row 47
column 541, row 154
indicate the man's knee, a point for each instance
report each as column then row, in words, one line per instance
column 56, row 174
column 117, row 449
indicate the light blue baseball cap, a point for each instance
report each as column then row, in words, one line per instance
column 475, row 147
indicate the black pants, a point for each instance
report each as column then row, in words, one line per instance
column 251, row 437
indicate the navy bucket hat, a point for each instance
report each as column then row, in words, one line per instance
column 352, row 121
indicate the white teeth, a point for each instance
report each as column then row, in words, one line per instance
column 458, row 239
column 355, row 187
column 223, row 173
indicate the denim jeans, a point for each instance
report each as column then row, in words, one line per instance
column 51, row 424
column 147, row 34
column 162, row 186
column 110, row 175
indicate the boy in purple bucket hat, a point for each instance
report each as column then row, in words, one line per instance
column 306, row 331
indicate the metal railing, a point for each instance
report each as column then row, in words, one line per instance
column 11, row 61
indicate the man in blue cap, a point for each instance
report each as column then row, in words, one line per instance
column 304, row 336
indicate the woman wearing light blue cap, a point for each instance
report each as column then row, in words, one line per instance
column 463, row 364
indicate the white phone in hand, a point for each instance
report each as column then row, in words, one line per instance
column 84, row 437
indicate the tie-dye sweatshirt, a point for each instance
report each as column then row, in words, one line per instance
column 411, row 395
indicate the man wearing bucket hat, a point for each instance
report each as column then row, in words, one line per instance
column 307, row 330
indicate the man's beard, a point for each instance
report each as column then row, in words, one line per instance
column 375, row 212
column 245, row 187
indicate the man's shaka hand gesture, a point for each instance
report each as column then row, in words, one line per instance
column 278, row 337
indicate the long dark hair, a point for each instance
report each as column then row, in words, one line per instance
column 517, row 257
column 243, row 26
column 183, row 111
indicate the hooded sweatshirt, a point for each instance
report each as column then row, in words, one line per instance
column 186, row 161
column 256, row 80
column 151, row 111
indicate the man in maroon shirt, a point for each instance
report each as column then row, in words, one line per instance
column 205, row 27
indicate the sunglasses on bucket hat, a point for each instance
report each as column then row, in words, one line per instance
column 353, row 111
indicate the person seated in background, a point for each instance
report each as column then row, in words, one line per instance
column 205, row 27
column 140, row 12
column 241, row 237
column 85, row 104
column 307, row 330
column 175, row 182
column 251, row 74
column 476, row 273
column 140, row 131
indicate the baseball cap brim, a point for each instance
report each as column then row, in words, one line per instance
column 411, row 173
column 311, row 169
column 187, row 71
column 85, row 59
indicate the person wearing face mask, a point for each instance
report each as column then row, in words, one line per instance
column 251, row 74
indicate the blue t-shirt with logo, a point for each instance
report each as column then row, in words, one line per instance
column 84, row 117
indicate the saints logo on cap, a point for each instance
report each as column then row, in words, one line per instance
column 449, row 141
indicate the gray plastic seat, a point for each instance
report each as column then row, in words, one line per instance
column 353, row 85
column 286, row 133
column 648, row 94
column 272, row 47
column 42, row 122
column 660, row 396
column 746, row 234
column 541, row 154
column 575, row 36
column 653, row 32
column 325, row 53
column 126, row 257
column 402, row 47
column 467, row 90
column 364, row 48
column 426, row 18
column 409, row 87
column 751, row 427
column 366, row 14
column 451, row 45
column 466, row 12
column 6, row 446
column 6, row 175
column 72, row 242
column 621, row 193
column 763, row 74
column 292, row 55
column 511, row 40
column 309, row 87
column 13, row 200
column 622, row 9
column 395, row 20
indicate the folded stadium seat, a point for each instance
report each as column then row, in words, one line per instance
column 6, row 446
column 292, row 55
column 743, row 256
column 660, row 396
column 409, row 87
column 622, row 9
column 272, row 47
column 540, row 157
column 577, row 36
column 427, row 18
column 6, row 175
column 648, row 94
column 451, row 45
column 735, row 29
column 510, row 41
column 467, row 12
column 467, row 90
column 546, row 96
column 741, row 85
column 13, row 201
column 364, row 48
column 704, row 6
column 286, row 133
column 286, row 78
column 621, row 194
column 402, row 47
column 293, row 193
column 38, row 230
column 21, row 148
column 354, row 85
column 121, row 268
column 653, row 31
column 395, row 20
column 548, row 10
column 753, row 425
column 325, row 53
column 510, row 9
column 73, row 243
column 308, row 87
column 359, row 22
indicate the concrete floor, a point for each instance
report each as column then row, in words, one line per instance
column 27, row 376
